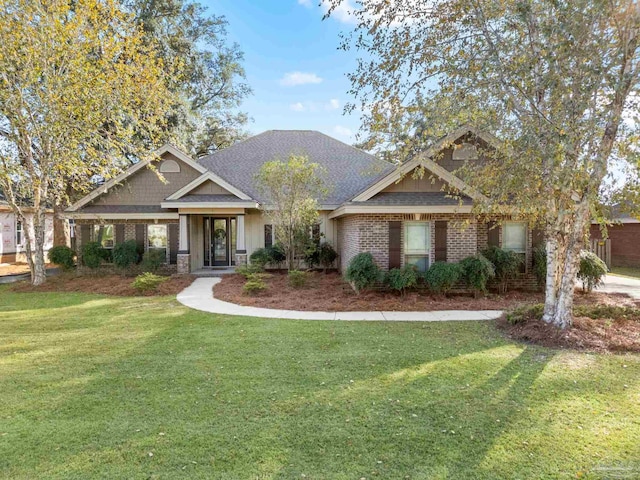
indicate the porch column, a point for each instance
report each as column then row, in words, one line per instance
column 184, row 257
column 241, row 249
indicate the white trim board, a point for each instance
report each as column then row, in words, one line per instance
column 167, row 148
column 212, row 205
column 207, row 176
column 354, row 209
column 123, row 216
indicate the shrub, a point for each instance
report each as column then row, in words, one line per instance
column 276, row 254
column 247, row 270
column 260, row 257
column 327, row 255
column 93, row 254
column 400, row 279
column 255, row 283
column 506, row 264
column 525, row 313
column 442, row 276
column 63, row 256
column 592, row 270
column 312, row 255
column 125, row 254
column 152, row 260
column 148, row 281
column 296, row 278
column 362, row 272
column 476, row 272
column 540, row 264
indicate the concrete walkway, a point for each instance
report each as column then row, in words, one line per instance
column 618, row 284
column 199, row 296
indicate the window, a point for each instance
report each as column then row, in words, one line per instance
column 268, row 236
column 19, row 233
column 515, row 237
column 104, row 235
column 157, row 238
column 169, row 166
column 417, row 244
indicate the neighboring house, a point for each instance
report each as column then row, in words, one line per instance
column 624, row 238
column 12, row 239
column 208, row 212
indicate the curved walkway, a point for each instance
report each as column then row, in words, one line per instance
column 199, row 296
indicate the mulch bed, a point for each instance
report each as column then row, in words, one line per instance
column 105, row 285
column 329, row 293
column 601, row 335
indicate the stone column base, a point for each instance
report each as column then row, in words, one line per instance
column 184, row 263
column 241, row 259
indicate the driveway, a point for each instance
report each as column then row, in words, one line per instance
column 617, row 284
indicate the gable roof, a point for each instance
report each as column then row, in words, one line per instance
column 166, row 148
column 424, row 159
column 208, row 177
column 349, row 170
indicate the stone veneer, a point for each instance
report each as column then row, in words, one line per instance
column 184, row 263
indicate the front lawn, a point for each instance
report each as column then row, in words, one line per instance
column 116, row 387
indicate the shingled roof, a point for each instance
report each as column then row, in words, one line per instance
column 349, row 170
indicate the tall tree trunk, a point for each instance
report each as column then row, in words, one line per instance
column 38, row 271
column 60, row 227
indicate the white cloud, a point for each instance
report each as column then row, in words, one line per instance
column 404, row 14
column 343, row 12
column 342, row 131
column 306, row 3
column 333, row 104
column 297, row 107
column 293, row 79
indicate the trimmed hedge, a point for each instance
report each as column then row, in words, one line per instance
column 62, row 256
column 442, row 277
column 362, row 272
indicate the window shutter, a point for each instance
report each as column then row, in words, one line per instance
column 395, row 244
column 441, row 241
column 174, row 234
column 119, row 233
column 537, row 237
column 85, row 234
column 268, row 236
column 140, row 228
column 493, row 237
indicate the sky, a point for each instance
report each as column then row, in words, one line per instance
column 293, row 64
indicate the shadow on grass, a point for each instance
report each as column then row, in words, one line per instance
column 228, row 397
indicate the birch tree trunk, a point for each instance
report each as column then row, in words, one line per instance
column 60, row 227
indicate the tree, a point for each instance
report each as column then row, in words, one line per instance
column 78, row 90
column 556, row 81
column 210, row 88
column 293, row 189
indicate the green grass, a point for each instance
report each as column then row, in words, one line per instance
column 91, row 385
column 633, row 272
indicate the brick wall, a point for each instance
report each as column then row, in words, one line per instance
column 625, row 243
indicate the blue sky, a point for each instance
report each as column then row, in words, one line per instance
column 292, row 64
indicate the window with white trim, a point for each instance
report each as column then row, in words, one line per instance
column 514, row 236
column 19, row 233
column 417, row 244
column 104, row 235
column 157, row 238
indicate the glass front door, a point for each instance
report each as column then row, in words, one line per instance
column 218, row 239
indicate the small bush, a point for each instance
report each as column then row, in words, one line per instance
column 276, row 254
column 255, row 283
column 247, row 270
column 400, row 279
column 525, row 313
column 62, row 256
column 296, row 278
column 93, row 254
column 260, row 257
column 540, row 264
column 592, row 270
column 476, row 272
column 125, row 254
column 148, row 281
column 506, row 264
column 312, row 255
column 362, row 272
column 152, row 260
column 441, row 276
column 327, row 255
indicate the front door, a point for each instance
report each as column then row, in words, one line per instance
column 217, row 241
